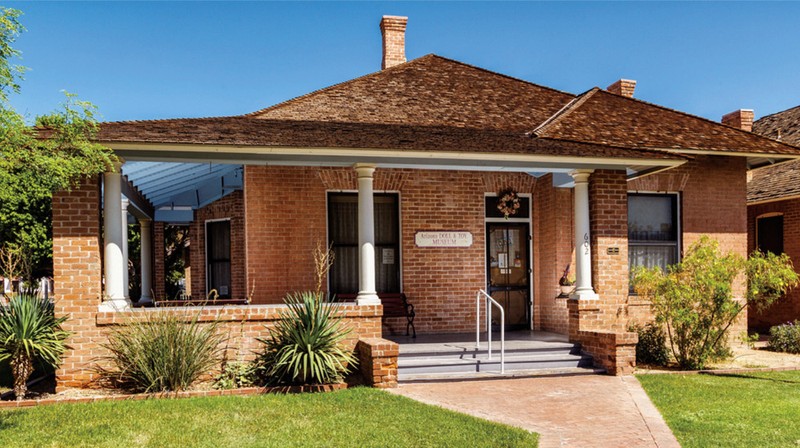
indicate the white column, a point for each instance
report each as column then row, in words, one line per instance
column 114, row 297
column 583, row 248
column 366, row 236
column 146, row 229
column 125, row 257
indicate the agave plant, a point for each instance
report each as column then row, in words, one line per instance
column 29, row 331
column 305, row 347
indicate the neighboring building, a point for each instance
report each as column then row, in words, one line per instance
column 773, row 212
column 400, row 171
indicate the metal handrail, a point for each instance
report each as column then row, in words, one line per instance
column 490, row 301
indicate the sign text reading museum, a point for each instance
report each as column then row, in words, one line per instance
column 443, row 238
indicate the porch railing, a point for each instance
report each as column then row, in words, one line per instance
column 489, row 303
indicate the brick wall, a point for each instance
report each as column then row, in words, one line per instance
column 608, row 212
column 377, row 360
column 77, row 272
column 788, row 308
column 230, row 207
column 553, row 251
column 440, row 282
column 713, row 202
column 159, row 253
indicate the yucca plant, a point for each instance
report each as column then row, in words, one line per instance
column 165, row 353
column 305, row 346
column 29, row 331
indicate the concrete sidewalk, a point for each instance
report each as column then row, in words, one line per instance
column 567, row 411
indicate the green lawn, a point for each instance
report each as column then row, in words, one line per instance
column 359, row 417
column 744, row 410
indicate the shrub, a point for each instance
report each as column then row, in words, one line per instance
column 235, row 375
column 305, row 347
column 785, row 338
column 29, row 331
column 163, row 353
column 652, row 346
column 694, row 298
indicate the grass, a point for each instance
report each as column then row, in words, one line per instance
column 359, row 417
column 742, row 410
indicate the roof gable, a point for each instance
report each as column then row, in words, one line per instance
column 428, row 91
column 601, row 117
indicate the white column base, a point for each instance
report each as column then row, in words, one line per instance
column 145, row 299
column 368, row 299
column 114, row 305
column 584, row 295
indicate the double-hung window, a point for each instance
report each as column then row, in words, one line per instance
column 343, row 237
column 653, row 230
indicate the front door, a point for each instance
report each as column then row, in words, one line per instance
column 508, row 264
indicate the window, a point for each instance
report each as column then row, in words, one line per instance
column 769, row 234
column 218, row 257
column 343, row 235
column 653, row 231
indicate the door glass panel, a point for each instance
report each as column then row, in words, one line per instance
column 508, row 271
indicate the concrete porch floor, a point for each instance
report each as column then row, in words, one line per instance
column 515, row 340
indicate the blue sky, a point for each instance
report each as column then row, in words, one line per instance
column 162, row 60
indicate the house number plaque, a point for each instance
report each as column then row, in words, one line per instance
column 444, row 238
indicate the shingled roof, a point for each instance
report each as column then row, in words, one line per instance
column 783, row 180
column 431, row 102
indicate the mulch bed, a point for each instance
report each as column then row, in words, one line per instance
column 115, row 395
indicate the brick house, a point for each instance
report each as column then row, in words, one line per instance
column 400, row 171
column 773, row 212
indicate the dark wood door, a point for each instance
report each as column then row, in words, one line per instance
column 508, row 269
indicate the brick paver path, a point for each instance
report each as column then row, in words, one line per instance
column 567, row 411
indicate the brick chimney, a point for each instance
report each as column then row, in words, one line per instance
column 740, row 119
column 393, row 29
column 624, row 87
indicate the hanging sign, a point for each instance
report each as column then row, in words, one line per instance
column 444, row 238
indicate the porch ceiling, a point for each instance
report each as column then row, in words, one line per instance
column 176, row 189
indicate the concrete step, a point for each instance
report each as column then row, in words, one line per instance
column 518, row 361
column 471, row 352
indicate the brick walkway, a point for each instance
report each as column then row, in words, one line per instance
column 568, row 411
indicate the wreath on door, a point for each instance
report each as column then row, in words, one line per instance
column 508, row 202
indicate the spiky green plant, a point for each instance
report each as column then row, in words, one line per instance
column 164, row 353
column 29, row 331
column 305, row 346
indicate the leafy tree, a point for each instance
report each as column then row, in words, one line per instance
column 694, row 298
column 35, row 161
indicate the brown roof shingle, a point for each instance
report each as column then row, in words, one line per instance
column 249, row 131
column 433, row 103
column 774, row 182
column 782, row 180
column 783, row 126
column 428, row 91
column 601, row 117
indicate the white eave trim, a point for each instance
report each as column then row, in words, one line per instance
column 728, row 153
column 243, row 153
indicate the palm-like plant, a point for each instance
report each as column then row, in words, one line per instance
column 305, row 347
column 30, row 331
